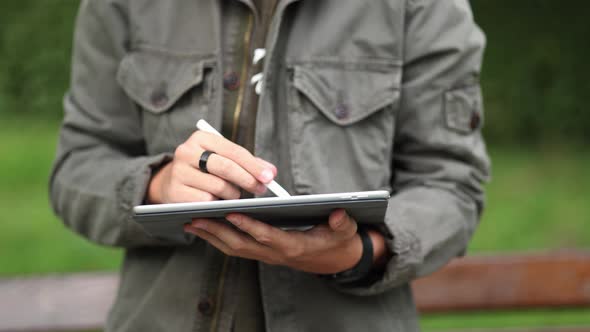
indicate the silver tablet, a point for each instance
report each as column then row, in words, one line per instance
column 167, row 220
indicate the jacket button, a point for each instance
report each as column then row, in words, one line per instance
column 159, row 98
column 342, row 112
column 206, row 306
column 475, row 121
column 231, row 81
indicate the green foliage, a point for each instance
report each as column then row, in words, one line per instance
column 535, row 74
column 35, row 47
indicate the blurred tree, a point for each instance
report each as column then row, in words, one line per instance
column 535, row 74
column 35, row 46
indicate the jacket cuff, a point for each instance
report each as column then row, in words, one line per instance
column 131, row 192
column 404, row 248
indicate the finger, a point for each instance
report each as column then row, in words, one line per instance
column 207, row 182
column 269, row 165
column 265, row 256
column 342, row 224
column 239, row 243
column 267, row 235
column 236, row 153
column 186, row 194
column 229, row 170
column 222, row 167
column 214, row 241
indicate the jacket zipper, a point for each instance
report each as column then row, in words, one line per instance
column 219, row 297
column 236, row 118
column 243, row 77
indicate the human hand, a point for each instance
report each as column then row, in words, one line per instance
column 325, row 249
column 231, row 167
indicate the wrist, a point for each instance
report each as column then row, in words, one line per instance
column 380, row 251
column 353, row 254
column 363, row 265
column 153, row 194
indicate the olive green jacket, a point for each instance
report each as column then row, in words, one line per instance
column 358, row 95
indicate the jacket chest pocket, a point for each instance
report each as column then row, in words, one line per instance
column 341, row 122
column 172, row 91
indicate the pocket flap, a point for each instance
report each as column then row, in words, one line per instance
column 348, row 94
column 156, row 81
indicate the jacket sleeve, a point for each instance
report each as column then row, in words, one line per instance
column 101, row 169
column 440, row 160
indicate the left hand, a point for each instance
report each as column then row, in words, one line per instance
column 324, row 249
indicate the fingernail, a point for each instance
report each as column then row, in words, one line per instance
column 234, row 220
column 260, row 189
column 267, row 164
column 338, row 222
column 267, row 175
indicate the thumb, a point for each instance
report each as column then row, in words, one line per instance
column 341, row 222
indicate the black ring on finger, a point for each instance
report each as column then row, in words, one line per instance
column 203, row 160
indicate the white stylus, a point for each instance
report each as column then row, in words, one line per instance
column 272, row 186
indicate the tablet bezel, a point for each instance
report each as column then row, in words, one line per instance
column 143, row 210
column 167, row 220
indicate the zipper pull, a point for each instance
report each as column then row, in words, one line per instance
column 259, row 54
column 258, row 82
column 258, row 79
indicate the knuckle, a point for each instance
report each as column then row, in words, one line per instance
column 294, row 252
column 175, row 171
column 218, row 187
column 206, row 197
column 250, row 184
column 181, row 150
column 234, row 193
column 240, row 153
column 227, row 251
column 353, row 229
column 197, row 136
column 237, row 246
column 263, row 238
column 225, row 174
column 225, row 167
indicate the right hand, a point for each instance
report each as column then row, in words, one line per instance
column 230, row 168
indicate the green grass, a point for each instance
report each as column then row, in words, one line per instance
column 504, row 319
column 536, row 201
column 32, row 239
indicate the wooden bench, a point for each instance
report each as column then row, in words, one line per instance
column 80, row 302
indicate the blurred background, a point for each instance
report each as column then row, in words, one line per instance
column 536, row 82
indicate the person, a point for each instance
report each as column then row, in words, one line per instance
column 322, row 96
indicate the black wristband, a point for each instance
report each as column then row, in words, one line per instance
column 361, row 269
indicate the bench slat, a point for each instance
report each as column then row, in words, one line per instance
column 542, row 329
column 81, row 301
column 56, row 303
column 507, row 282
